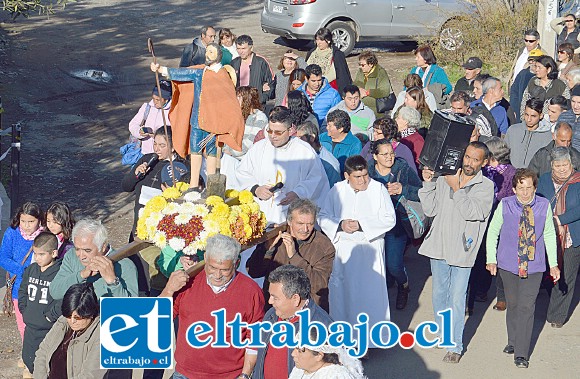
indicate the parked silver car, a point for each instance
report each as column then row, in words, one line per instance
column 350, row 21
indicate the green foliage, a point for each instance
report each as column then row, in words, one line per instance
column 493, row 32
column 26, row 7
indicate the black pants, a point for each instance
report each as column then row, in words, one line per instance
column 480, row 278
column 563, row 292
column 521, row 297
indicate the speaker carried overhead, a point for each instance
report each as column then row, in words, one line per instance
column 446, row 142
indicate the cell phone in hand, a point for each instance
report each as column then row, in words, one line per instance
column 147, row 130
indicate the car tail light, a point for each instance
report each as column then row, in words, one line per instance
column 300, row 2
column 298, row 25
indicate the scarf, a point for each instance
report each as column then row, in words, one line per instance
column 31, row 237
column 560, row 208
column 526, row 240
column 323, row 58
column 407, row 132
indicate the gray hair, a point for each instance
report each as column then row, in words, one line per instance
column 560, row 153
column 204, row 29
column 309, row 129
column 293, row 279
column 91, row 227
column 574, row 75
column 302, row 206
column 222, row 248
column 411, row 115
column 562, row 124
column 488, row 84
column 499, row 149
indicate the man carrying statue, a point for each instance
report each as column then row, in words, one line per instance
column 205, row 113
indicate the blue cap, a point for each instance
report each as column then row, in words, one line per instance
column 167, row 176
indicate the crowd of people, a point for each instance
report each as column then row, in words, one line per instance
column 347, row 153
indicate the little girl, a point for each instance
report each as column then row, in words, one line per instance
column 16, row 249
column 60, row 222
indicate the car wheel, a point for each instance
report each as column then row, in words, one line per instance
column 295, row 43
column 451, row 36
column 343, row 36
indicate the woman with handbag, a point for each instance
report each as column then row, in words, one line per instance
column 433, row 76
column 375, row 86
column 16, row 254
column 401, row 181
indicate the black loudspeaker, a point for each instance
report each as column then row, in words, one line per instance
column 446, row 142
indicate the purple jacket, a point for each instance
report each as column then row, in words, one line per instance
column 507, row 251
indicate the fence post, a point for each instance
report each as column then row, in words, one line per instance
column 15, row 167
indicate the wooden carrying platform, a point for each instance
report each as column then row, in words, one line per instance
column 137, row 245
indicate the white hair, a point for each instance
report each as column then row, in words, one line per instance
column 222, row 248
column 91, row 227
column 411, row 115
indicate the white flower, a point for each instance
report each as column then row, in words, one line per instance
column 189, row 250
column 153, row 219
column 210, row 226
column 177, row 243
column 160, row 239
column 170, row 208
column 141, row 212
column 186, row 207
column 192, row 196
column 182, row 218
column 200, row 210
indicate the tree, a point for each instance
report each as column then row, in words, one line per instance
column 26, row 7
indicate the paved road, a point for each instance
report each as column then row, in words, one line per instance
column 73, row 129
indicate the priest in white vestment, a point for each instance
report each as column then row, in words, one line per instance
column 355, row 215
column 280, row 158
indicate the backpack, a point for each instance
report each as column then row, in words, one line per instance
column 413, row 218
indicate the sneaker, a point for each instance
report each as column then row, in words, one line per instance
column 556, row 325
column 451, row 357
column 402, row 296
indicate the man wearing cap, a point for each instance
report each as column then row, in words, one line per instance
column 472, row 68
column 148, row 119
column 521, row 82
column 572, row 116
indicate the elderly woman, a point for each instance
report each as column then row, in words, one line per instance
column 372, row 80
column 330, row 59
column 408, row 122
column 501, row 172
column 544, row 85
column 433, row 76
column 386, row 128
column 523, row 224
column 71, row 347
column 401, row 182
column 324, row 362
column 572, row 78
column 562, row 188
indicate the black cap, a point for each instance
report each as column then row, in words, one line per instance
column 473, row 63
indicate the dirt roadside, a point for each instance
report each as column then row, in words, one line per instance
column 73, row 128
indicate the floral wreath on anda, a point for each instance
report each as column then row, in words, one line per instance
column 185, row 222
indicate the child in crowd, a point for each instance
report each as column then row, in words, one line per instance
column 60, row 222
column 39, row 310
column 16, row 253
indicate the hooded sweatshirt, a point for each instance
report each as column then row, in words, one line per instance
column 524, row 143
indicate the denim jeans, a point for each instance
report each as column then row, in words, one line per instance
column 177, row 375
column 395, row 243
column 449, row 291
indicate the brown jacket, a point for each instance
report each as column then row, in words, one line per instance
column 314, row 255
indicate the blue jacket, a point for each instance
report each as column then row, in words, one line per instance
column 348, row 147
column 499, row 115
column 12, row 252
column 439, row 76
column 316, row 314
column 324, row 99
column 572, row 215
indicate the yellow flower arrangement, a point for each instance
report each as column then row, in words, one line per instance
column 246, row 197
column 232, row 193
column 171, row 193
column 214, row 200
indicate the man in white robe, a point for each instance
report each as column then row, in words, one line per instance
column 355, row 216
column 280, row 158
